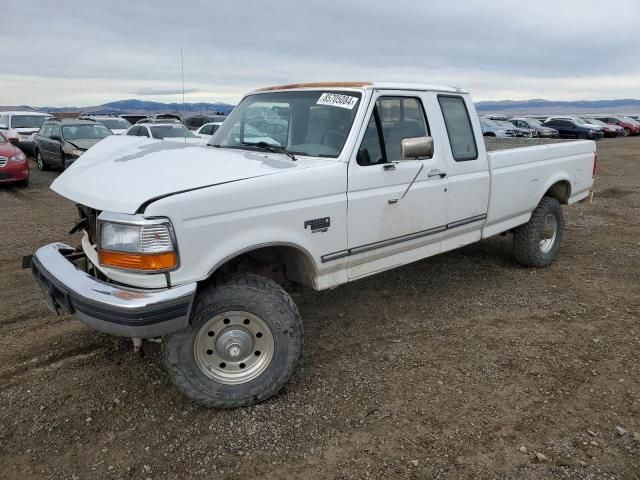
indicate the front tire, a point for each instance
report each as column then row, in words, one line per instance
column 536, row 243
column 242, row 345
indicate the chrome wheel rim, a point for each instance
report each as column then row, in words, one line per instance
column 40, row 161
column 234, row 347
column 548, row 233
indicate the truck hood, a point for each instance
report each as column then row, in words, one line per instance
column 120, row 174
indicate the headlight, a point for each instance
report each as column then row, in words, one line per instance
column 76, row 152
column 134, row 243
column 18, row 157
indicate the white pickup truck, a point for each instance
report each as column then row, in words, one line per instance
column 319, row 184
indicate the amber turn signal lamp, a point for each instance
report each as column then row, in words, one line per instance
column 138, row 261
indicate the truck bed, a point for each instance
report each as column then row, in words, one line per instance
column 493, row 144
column 523, row 170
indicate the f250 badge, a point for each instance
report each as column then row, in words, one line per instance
column 318, row 224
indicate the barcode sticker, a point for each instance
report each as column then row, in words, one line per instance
column 338, row 100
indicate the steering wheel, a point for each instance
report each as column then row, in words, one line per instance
column 339, row 138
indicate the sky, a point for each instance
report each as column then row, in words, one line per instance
column 79, row 53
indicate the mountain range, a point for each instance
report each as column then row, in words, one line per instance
column 504, row 107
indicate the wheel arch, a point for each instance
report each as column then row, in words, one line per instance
column 560, row 190
column 280, row 261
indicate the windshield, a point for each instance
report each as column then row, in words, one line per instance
column 594, row 121
column 532, row 122
column 85, row 132
column 630, row 120
column 488, row 123
column 27, row 121
column 114, row 123
column 314, row 123
column 171, row 131
column 581, row 120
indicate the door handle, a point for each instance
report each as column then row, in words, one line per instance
column 389, row 166
column 435, row 173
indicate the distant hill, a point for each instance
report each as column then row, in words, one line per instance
column 504, row 107
column 539, row 106
column 145, row 107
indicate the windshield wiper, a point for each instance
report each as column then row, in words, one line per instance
column 271, row 148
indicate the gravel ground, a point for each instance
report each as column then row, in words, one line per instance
column 464, row 365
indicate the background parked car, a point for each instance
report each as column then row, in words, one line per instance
column 608, row 129
column 196, row 121
column 519, row 131
column 492, row 129
column 173, row 132
column 117, row 125
column 630, row 127
column 153, row 119
column 208, row 129
column 23, row 125
column 14, row 168
column 535, row 126
column 132, row 118
column 61, row 141
column 568, row 128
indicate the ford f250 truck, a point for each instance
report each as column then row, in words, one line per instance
column 319, row 184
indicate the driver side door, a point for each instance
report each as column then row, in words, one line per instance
column 397, row 208
column 55, row 146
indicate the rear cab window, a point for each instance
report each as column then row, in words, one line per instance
column 459, row 128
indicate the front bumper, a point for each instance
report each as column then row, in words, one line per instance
column 109, row 308
column 14, row 172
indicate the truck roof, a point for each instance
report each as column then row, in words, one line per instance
column 364, row 85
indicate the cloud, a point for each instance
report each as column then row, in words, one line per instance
column 496, row 49
column 160, row 91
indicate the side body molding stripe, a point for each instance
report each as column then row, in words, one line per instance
column 404, row 238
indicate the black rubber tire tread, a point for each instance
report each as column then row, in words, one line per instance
column 22, row 183
column 526, row 238
column 252, row 293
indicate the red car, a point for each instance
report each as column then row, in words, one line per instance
column 630, row 127
column 14, row 167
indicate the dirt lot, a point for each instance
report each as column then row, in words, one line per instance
column 460, row 366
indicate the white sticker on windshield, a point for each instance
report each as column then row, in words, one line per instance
column 338, row 100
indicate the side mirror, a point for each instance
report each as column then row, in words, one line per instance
column 55, row 137
column 416, row 147
column 13, row 140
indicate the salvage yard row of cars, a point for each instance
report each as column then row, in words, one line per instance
column 561, row 126
column 58, row 142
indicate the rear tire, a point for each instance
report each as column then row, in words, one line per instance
column 42, row 165
column 536, row 243
column 242, row 345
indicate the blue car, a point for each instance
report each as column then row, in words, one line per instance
column 570, row 129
